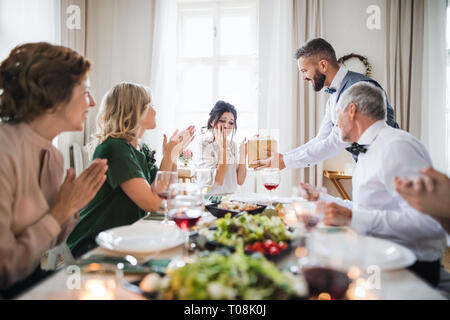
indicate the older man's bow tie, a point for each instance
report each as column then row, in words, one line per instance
column 356, row 148
column 330, row 90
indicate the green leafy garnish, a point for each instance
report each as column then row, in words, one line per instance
column 235, row 276
column 246, row 229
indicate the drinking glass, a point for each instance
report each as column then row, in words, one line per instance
column 187, row 210
column 331, row 266
column 205, row 178
column 271, row 180
column 166, row 185
column 97, row 282
column 308, row 214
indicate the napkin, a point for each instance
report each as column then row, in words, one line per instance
column 154, row 216
column 214, row 199
column 153, row 265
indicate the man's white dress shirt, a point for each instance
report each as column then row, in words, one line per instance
column 377, row 209
column 327, row 144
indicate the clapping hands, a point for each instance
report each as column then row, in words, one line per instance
column 220, row 134
column 76, row 192
column 177, row 143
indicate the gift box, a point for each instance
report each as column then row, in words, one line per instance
column 259, row 149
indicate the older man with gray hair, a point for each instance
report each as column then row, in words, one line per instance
column 383, row 153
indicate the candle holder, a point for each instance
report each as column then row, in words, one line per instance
column 96, row 284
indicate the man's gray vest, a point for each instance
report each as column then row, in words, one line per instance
column 354, row 77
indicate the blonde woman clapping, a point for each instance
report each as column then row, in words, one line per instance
column 126, row 113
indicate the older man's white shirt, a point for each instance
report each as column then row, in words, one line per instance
column 377, row 209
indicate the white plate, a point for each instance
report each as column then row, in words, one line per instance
column 259, row 197
column 350, row 249
column 141, row 238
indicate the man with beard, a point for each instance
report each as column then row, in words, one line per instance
column 317, row 63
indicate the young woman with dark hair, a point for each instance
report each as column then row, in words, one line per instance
column 217, row 149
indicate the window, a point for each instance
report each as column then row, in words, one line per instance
column 217, row 59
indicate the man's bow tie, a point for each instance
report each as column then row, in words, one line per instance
column 330, row 90
column 356, row 148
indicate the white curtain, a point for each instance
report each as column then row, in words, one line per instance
column 433, row 133
column 310, row 106
column 162, row 76
column 119, row 45
column 277, row 65
column 73, row 37
column 116, row 36
column 289, row 109
column 404, row 34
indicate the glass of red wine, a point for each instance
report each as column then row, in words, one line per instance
column 326, row 280
column 271, row 180
column 166, row 185
column 187, row 210
column 309, row 214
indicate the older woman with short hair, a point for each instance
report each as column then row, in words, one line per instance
column 44, row 90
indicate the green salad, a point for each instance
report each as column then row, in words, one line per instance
column 247, row 229
column 235, row 276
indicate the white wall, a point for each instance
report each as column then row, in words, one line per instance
column 346, row 29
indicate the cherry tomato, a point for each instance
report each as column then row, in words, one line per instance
column 274, row 250
column 248, row 247
column 282, row 245
column 268, row 244
column 257, row 246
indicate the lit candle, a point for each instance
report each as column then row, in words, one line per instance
column 95, row 289
column 290, row 218
column 301, row 252
column 324, row 296
column 359, row 291
column 353, row 272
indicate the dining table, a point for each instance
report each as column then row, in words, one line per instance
column 70, row 282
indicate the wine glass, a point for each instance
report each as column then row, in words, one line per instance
column 205, row 178
column 187, row 210
column 271, row 180
column 166, row 187
column 309, row 214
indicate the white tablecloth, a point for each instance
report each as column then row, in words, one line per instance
column 399, row 284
